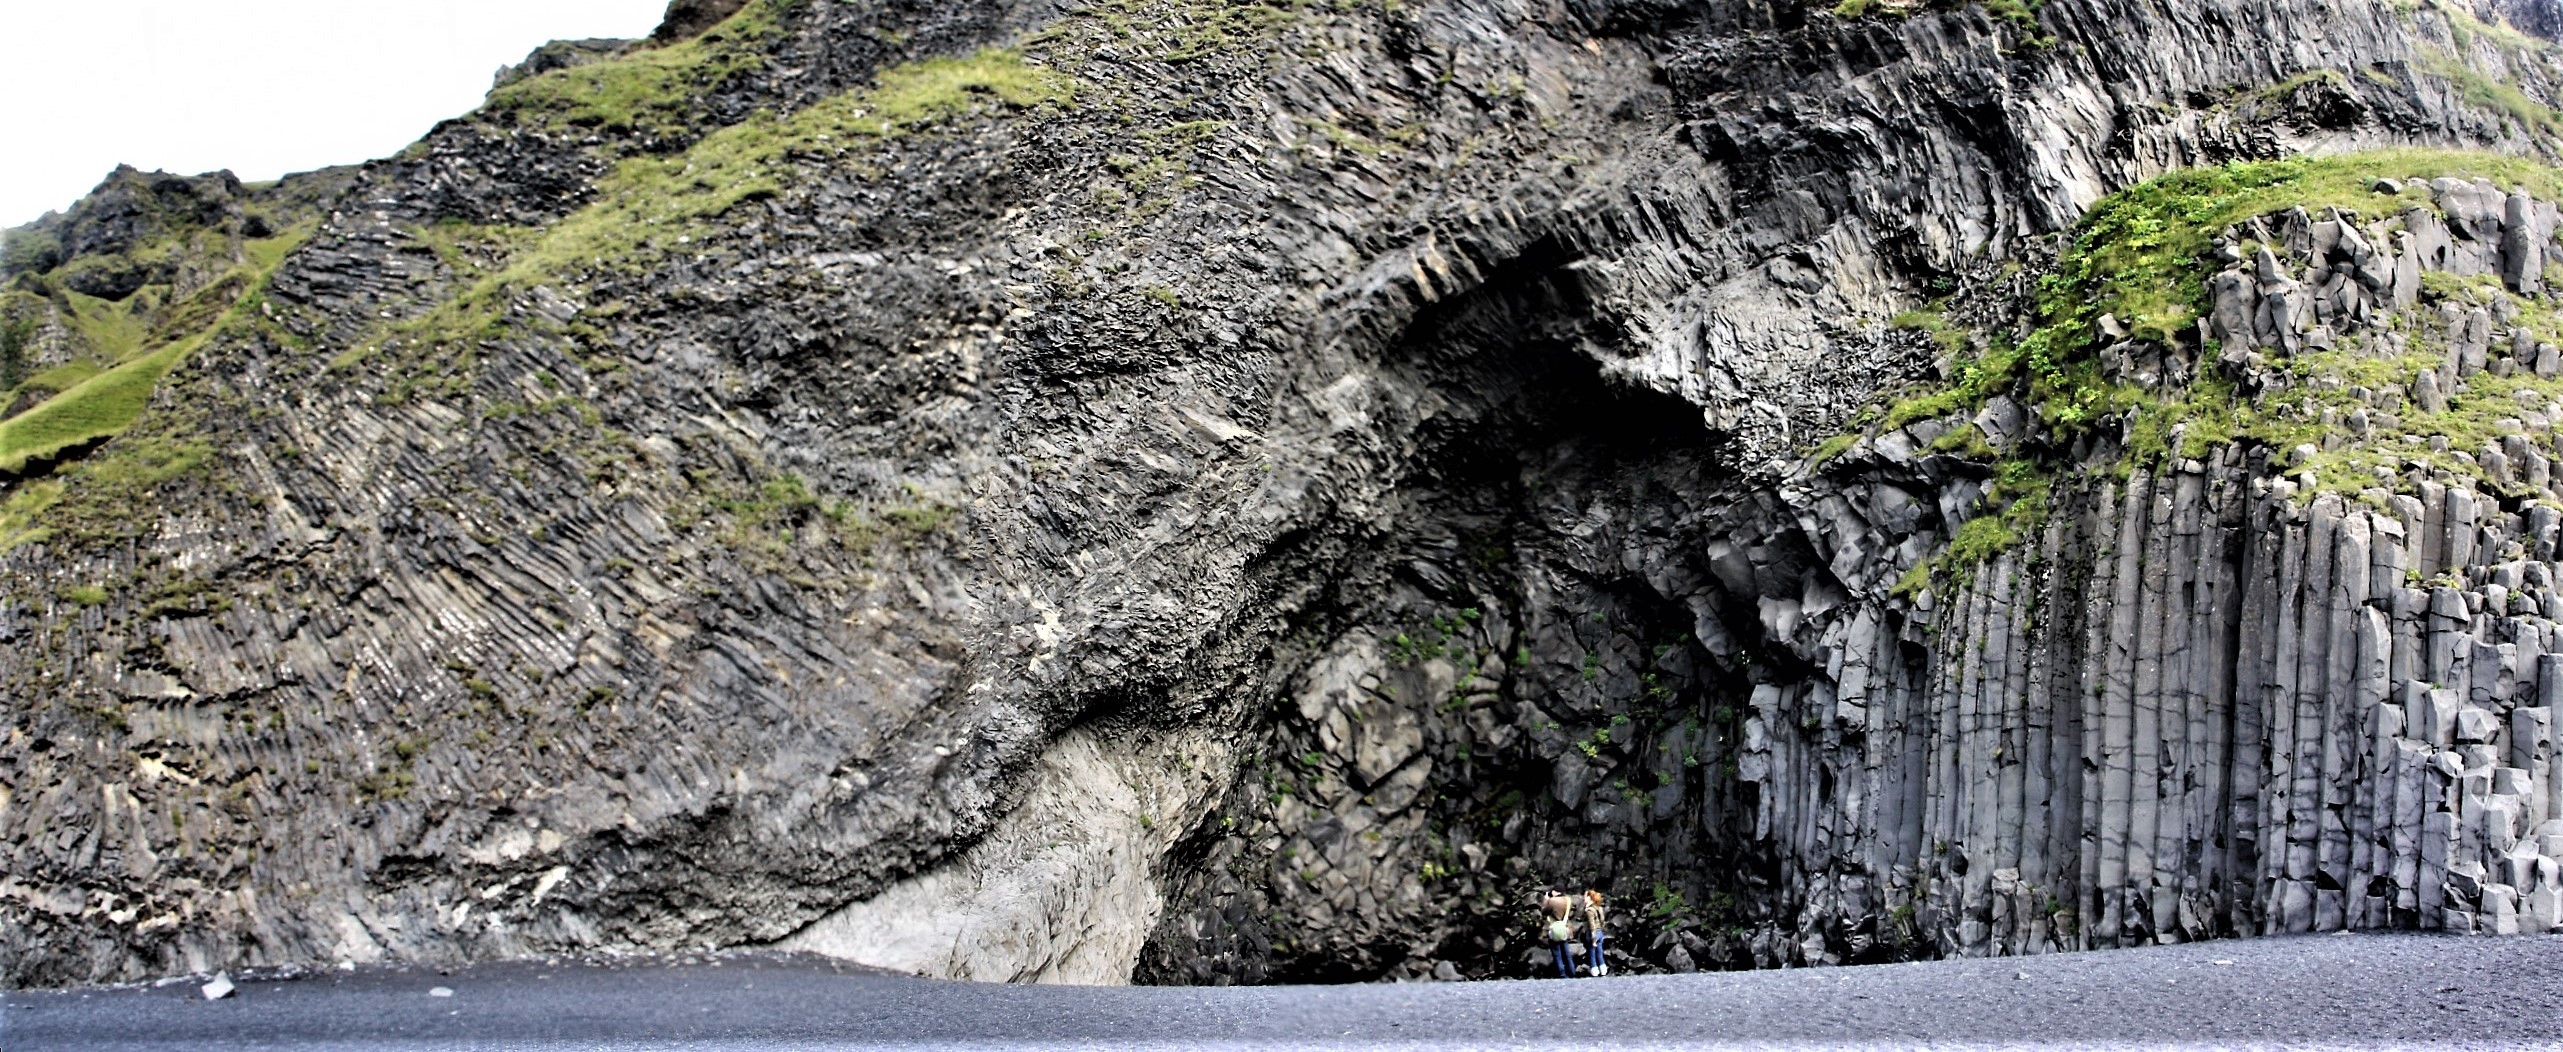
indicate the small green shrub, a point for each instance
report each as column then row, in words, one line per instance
column 1667, row 905
column 2023, row 13
column 15, row 334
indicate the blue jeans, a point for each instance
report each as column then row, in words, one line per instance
column 1597, row 953
column 1565, row 960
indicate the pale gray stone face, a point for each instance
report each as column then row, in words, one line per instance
column 1268, row 516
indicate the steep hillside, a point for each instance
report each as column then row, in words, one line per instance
column 1230, row 492
column 107, row 297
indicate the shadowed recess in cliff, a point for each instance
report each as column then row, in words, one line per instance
column 1480, row 696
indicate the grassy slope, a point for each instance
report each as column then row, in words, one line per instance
column 649, row 205
column 646, row 207
column 103, row 394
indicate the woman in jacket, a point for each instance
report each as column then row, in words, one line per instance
column 1593, row 920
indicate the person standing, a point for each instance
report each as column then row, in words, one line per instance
column 1560, row 931
column 1593, row 920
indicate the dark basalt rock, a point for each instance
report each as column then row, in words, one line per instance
column 1262, row 517
column 132, row 206
column 689, row 18
column 2541, row 17
column 95, row 242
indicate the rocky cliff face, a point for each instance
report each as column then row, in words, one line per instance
column 1230, row 492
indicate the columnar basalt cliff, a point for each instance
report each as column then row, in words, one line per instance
column 2234, row 687
column 1232, row 492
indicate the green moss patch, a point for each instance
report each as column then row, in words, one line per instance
column 648, row 203
column 2138, row 255
column 2466, row 29
column 104, row 496
column 112, row 492
column 61, row 378
column 98, row 400
column 650, row 207
column 28, row 252
column 2019, row 12
column 111, row 330
column 650, row 90
column 2499, row 96
column 2138, row 258
column 2014, row 508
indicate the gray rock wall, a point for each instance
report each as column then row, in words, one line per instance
column 1402, row 398
column 2225, row 696
column 2202, row 705
column 2182, row 706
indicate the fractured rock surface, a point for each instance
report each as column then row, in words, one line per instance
column 1064, row 889
column 817, row 506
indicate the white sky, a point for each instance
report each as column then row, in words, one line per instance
column 262, row 87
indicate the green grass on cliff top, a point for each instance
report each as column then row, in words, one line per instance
column 647, row 207
column 648, row 89
column 2139, row 256
column 92, row 409
column 98, row 400
column 649, row 201
column 650, row 206
column 2142, row 250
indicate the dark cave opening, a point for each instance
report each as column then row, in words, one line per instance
column 1577, row 729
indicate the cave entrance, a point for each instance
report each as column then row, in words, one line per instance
column 1505, row 688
